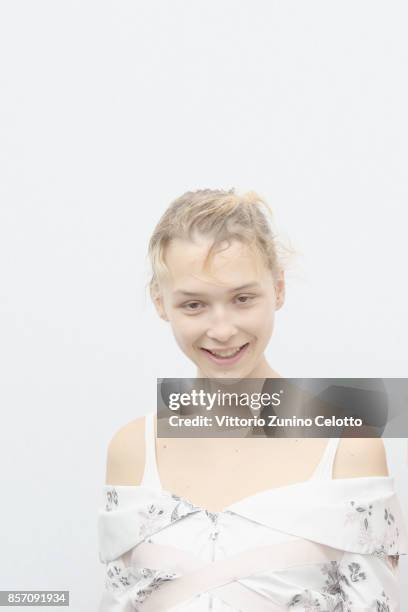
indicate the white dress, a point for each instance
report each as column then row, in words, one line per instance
column 324, row 545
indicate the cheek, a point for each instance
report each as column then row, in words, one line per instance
column 185, row 329
column 260, row 317
column 260, row 324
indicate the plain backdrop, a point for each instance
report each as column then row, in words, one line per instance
column 109, row 110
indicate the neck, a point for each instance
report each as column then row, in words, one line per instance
column 252, row 383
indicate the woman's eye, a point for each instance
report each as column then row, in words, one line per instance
column 244, row 299
column 193, row 306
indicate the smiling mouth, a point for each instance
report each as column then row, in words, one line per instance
column 226, row 354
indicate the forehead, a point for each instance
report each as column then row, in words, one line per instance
column 235, row 265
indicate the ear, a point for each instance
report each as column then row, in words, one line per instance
column 280, row 289
column 159, row 305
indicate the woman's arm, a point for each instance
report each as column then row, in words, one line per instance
column 125, row 455
column 359, row 457
column 124, row 466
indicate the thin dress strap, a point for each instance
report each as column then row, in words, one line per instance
column 324, row 470
column 151, row 476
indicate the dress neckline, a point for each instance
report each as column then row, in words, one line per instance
column 253, row 496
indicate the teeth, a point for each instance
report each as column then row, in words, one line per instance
column 225, row 353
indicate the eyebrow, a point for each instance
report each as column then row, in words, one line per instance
column 194, row 293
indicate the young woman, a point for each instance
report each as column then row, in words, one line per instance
column 230, row 524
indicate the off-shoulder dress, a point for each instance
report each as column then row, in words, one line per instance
column 323, row 545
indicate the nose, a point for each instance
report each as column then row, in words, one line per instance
column 221, row 327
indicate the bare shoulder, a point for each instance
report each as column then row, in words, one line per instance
column 125, row 456
column 359, row 457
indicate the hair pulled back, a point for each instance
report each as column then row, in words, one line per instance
column 222, row 215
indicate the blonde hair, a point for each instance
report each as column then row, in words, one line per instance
column 223, row 215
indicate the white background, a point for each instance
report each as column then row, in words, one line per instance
column 109, row 111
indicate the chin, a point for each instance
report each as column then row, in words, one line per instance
column 225, row 374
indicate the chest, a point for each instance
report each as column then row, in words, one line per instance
column 214, row 473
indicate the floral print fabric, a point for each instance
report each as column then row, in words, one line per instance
column 360, row 517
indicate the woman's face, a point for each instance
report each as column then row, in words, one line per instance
column 222, row 318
